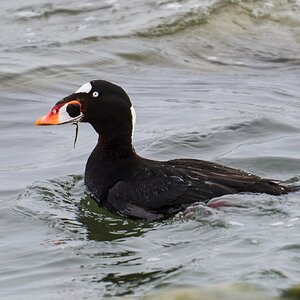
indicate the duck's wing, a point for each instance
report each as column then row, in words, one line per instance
column 209, row 167
column 232, row 178
column 159, row 191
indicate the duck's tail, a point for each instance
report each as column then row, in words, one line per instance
column 291, row 189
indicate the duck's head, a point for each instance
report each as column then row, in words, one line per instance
column 104, row 105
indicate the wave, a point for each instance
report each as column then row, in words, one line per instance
column 163, row 18
column 49, row 10
column 282, row 12
column 210, row 35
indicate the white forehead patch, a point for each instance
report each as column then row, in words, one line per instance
column 86, row 88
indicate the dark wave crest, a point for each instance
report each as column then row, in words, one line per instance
column 237, row 12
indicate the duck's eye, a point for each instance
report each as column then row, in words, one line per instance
column 95, row 94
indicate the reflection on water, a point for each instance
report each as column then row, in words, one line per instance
column 103, row 225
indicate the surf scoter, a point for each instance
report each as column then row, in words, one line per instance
column 134, row 186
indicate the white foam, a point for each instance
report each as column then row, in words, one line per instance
column 86, row 88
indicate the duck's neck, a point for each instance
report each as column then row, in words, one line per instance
column 108, row 160
column 115, row 147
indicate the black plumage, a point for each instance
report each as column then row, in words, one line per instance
column 137, row 187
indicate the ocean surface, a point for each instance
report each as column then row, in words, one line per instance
column 214, row 80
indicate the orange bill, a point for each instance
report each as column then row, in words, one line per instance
column 62, row 113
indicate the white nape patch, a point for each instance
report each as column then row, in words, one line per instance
column 133, row 119
column 86, row 88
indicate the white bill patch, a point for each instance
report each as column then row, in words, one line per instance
column 133, row 119
column 63, row 116
column 86, row 88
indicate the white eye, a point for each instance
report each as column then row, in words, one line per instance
column 95, row 94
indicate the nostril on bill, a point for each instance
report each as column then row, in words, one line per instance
column 73, row 110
